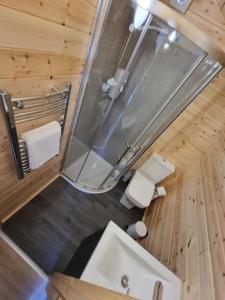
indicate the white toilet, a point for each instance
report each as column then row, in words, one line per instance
column 141, row 189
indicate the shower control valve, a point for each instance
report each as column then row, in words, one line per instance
column 108, row 84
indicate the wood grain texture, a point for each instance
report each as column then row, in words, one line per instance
column 209, row 17
column 188, row 28
column 26, row 64
column 38, row 52
column 195, row 129
column 77, row 14
column 18, row 280
column 187, row 231
column 53, row 294
column 12, row 199
column 22, row 31
column 68, row 287
column 188, row 225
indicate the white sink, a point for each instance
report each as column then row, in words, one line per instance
column 116, row 255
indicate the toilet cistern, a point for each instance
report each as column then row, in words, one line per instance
column 141, row 190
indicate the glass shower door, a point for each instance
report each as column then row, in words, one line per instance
column 192, row 86
column 110, row 132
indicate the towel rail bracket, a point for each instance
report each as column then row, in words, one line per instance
column 21, row 110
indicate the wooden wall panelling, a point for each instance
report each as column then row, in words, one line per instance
column 209, row 16
column 68, row 287
column 190, row 134
column 195, row 143
column 169, row 237
column 159, row 226
column 43, row 44
column 93, row 2
column 169, row 255
column 205, row 260
column 151, row 220
column 22, row 31
column 25, row 64
column 34, row 86
column 76, row 14
column 192, row 274
column 193, row 245
column 186, row 139
column 25, row 87
column 215, row 241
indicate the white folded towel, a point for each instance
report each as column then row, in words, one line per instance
column 43, row 143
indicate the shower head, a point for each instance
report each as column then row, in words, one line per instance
column 145, row 4
column 141, row 11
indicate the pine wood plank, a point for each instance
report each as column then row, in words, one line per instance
column 205, row 261
column 43, row 44
column 13, row 199
column 195, row 129
column 216, row 245
column 192, row 274
column 26, row 64
column 172, row 251
column 68, row 287
column 93, row 2
column 195, row 248
column 208, row 10
column 171, row 231
column 215, row 31
column 159, row 229
column 22, row 31
column 197, row 135
column 77, row 14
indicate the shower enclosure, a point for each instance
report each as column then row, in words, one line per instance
column 140, row 80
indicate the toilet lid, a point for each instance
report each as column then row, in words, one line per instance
column 141, row 189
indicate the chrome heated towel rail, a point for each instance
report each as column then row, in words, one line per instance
column 21, row 110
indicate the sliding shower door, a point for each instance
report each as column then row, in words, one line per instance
column 166, row 71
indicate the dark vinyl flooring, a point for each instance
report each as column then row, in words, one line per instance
column 50, row 228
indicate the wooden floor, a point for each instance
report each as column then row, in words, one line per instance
column 51, row 227
column 187, row 228
column 18, row 279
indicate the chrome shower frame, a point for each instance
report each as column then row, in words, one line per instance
column 100, row 19
column 98, row 24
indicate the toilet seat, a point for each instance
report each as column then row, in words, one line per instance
column 140, row 190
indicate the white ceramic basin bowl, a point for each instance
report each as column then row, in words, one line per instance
column 117, row 255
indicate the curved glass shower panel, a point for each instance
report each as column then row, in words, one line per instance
column 199, row 79
column 138, row 83
column 158, row 69
column 115, row 38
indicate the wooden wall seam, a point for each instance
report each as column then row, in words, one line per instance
column 195, row 143
column 76, row 14
column 38, row 52
column 21, row 31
